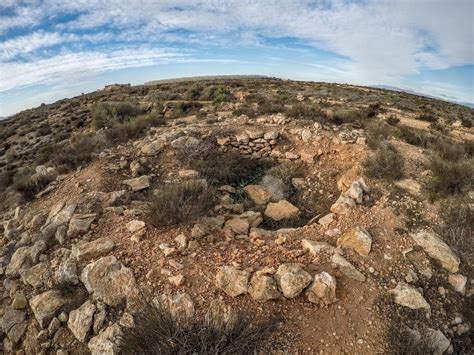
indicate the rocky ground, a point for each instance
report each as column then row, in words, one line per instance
column 339, row 261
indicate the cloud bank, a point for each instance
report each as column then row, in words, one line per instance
column 381, row 41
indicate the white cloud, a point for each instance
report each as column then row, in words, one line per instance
column 80, row 65
column 385, row 40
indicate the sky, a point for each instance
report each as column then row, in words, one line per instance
column 52, row 49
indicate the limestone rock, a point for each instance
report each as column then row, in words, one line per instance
column 21, row 259
column 238, row 225
column 181, row 306
column 108, row 280
column 437, row 340
column 47, row 305
column 436, row 248
column 67, row 271
column 281, row 210
column 408, row 296
column 315, row 248
column 357, row 239
column 135, row 226
column 258, row 194
column 347, row 268
column 188, row 174
column 139, row 183
column 275, row 187
column 458, row 282
column 13, row 324
column 232, row 281
column 19, row 301
column 409, row 185
column 36, row 276
column 80, row 320
column 292, row 279
column 326, row 220
column 343, row 205
column 80, row 224
column 322, row 289
column 263, row 288
column 152, row 148
column 106, row 342
column 83, row 251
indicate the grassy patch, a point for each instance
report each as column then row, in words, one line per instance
column 108, row 114
column 29, row 183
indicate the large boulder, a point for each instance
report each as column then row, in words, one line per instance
column 81, row 319
column 357, row 239
column 232, row 281
column 47, row 305
column 263, row 288
column 281, row 210
column 292, row 279
column 108, row 280
column 322, row 290
column 258, row 194
column 408, row 296
column 436, row 248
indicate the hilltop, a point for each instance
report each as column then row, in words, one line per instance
column 238, row 214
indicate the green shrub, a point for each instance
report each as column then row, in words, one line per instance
column 467, row 122
column 181, row 203
column 393, row 120
column 185, row 108
column 134, row 128
column 217, row 94
column 308, row 112
column 77, row 152
column 469, row 148
column 108, row 114
column 245, row 109
column 428, row 117
column 386, row 163
column 342, row 116
column 450, row 177
column 378, row 132
column 415, row 136
column 449, row 150
column 269, row 107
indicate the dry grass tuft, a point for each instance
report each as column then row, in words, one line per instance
column 385, row 163
column 181, row 203
column 156, row 331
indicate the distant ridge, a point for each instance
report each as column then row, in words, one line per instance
column 206, row 77
column 408, row 91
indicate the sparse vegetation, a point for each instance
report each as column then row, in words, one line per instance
column 308, row 112
column 108, row 114
column 385, row 163
column 450, row 177
column 157, row 331
column 29, row 183
column 458, row 227
column 181, row 203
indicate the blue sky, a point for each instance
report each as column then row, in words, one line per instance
column 51, row 49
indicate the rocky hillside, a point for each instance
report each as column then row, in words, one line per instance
column 233, row 216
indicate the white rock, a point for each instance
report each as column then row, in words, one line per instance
column 408, row 296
